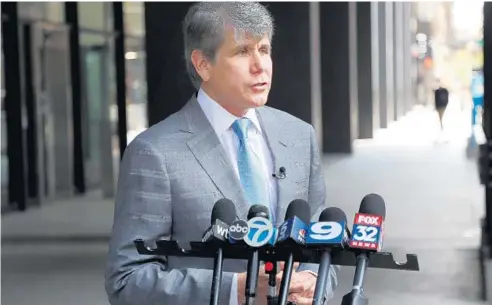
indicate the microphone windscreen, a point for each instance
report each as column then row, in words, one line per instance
column 299, row 208
column 373, row 204
column 258, row 210
column 332, row 214
column 224, row 210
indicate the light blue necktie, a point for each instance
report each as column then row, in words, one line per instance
column 250, row 175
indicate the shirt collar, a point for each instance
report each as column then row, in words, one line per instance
column 221, row 119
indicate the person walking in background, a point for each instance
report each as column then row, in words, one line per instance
column 441, row 98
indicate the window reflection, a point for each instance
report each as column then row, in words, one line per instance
column 136, row 93
column 99, row 109
column 134, row 19
column 49, row 11
column 5, row 160
column 95, row 16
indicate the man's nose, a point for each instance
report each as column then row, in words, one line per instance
column 257, row 65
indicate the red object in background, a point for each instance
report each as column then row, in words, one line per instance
column 428, row 63
column 268, row 267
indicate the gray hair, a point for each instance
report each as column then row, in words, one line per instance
column 205, row 23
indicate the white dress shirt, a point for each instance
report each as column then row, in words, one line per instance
column 221, row 121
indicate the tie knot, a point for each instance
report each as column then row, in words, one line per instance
column 240, row 128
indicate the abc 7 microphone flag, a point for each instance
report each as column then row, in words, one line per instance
column 261, row 232
column 256, row 232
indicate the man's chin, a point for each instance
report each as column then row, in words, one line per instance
column 257, row 101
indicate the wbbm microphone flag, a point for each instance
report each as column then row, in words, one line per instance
column 367, row 232
column 295, row 229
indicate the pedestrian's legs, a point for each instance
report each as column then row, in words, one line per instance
column 440, row 112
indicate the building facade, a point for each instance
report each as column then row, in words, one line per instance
column 83, row 79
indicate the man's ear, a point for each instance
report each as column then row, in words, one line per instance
column 201, row 64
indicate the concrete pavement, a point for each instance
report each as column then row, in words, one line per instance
column 433, row 198
column 434, row 203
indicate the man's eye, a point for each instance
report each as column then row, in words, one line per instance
column 243, row 51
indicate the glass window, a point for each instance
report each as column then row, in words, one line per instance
column 55, row 11
column 5, row 159
column 95, row 16
column 134, row 18
column 100, row 138
column 99, row 109
column 136, row 93
column 50, row 11
column 136, row 96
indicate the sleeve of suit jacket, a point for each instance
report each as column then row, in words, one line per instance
column 316, row 200
column 144, row 210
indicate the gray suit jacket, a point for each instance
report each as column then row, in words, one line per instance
column 170, row 177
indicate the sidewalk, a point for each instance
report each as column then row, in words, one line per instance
column 434, row 203
column 84, row 218
column 433, row 199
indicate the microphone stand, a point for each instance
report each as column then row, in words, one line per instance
column 323, row 274
column 356, row 296
column 284, row 285
column 252, row 278
column 217, row 277
column 272, row 298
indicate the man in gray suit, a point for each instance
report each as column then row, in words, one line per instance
column 224, row 143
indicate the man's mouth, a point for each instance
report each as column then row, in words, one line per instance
column 260, row 85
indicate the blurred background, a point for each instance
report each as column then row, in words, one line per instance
column 81, row 79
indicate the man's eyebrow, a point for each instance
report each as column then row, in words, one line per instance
column 242, row 45
column 248, row 45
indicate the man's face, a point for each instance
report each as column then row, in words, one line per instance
column 240, row 77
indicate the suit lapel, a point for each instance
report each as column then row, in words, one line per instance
column 208, row 151
column 279, row 143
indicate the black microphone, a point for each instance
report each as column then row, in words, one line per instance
column 255, row 211
column 367, row 237
column 222, row 217
column 329, row 232
column 282, row 173
column 291, row 233
column 223, row 214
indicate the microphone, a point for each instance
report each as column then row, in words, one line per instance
column 223, row 213
column 326, row 234
column 281, row 173
column 292, row 233
column 259, row 234
column 367, row 237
